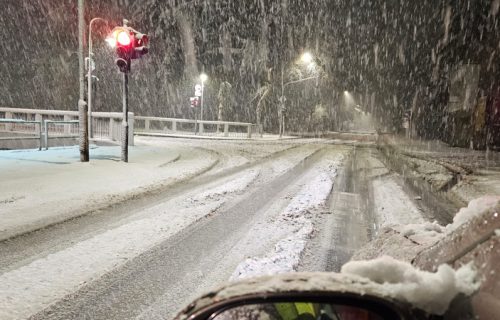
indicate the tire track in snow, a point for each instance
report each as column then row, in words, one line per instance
column 63, row 272
column 137, row 282
column 297, row 219
column 51, row 278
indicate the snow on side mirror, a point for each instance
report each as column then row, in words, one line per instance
column 299, row 296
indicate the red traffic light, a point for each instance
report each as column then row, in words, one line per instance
column 130, row 44
column 120, row 37
column 195, row 102
column 123, row 38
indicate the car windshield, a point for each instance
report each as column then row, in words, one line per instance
column 151, row 151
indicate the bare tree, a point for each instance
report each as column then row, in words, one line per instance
column 262, row 94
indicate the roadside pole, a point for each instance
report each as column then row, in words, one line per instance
column 82, row 105
column 125, row 116
column 201, row 108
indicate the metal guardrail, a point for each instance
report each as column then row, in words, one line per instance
column 193, row 127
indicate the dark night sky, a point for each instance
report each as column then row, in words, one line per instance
column 384, row 47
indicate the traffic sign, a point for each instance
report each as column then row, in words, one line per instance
column 197, row 90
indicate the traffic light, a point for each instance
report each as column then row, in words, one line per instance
column 141, row 42
column 130, row 44
column 195, row 102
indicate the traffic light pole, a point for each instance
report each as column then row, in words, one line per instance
column 125, row 117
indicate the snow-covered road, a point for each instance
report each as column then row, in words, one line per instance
column 238, row 210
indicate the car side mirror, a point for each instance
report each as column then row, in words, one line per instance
column 296, row 296
column 302, row 310
column 304, row 306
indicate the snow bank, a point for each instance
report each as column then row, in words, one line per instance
column 296, row 216
column 311, row 196
column 475, row 208
column 429, row 233
column 423, row 233
column 428, row 291
column 285, row 258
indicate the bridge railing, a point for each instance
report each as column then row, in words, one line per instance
column 106, row 125
column 31, row 130
column 173, row 126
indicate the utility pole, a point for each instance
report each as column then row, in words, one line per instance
column 82, row 105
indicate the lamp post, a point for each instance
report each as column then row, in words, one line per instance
column 307, row 59
column 91, row 65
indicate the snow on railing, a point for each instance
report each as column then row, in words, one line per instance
column 173, row 126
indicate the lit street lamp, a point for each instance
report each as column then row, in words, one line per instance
column 306, row 59
column 91, row 67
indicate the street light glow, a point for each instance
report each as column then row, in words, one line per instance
column 203, row 77
column 307, row 58
column 346, row 92
column 111, row 42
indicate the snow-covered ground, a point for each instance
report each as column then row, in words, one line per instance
column 46, row 187
column 43, row 187
column 51, row 277
column 40, row 188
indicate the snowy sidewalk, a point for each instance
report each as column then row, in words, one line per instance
column 40, row 188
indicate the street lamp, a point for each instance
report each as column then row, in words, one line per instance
column 306, row 59
column 91, row 66
column 203, row 77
